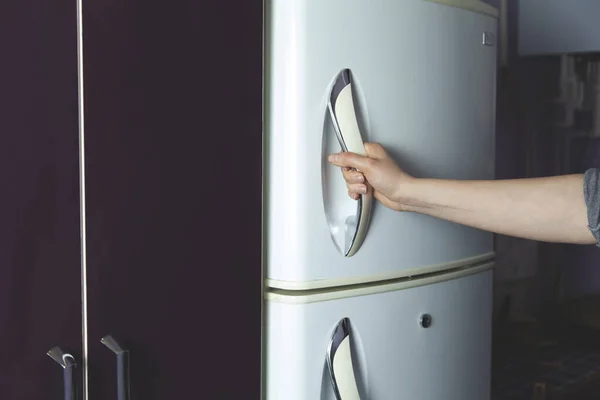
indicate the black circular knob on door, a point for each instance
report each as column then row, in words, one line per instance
column 425, row 320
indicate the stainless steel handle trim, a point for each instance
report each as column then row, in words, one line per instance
column 340, row 365
column 341, row 81
column 343, row 116
column 67, row 362
column 123, row 384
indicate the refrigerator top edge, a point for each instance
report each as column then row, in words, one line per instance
column 476, row 6
column 307, row 297
column 350, row 280
column 471, row 5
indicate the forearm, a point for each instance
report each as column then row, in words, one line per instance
column 546, row 209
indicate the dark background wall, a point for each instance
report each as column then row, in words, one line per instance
column 537, row 275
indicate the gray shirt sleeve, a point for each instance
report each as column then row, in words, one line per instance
column 591, row 192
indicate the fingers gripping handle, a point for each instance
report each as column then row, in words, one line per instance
column 343, row 114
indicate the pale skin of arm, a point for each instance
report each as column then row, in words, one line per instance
column 548, row 209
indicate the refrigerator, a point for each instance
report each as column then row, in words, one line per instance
column 362, row 302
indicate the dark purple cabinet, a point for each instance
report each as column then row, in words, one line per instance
column 174, row 111
column 40, row 297
column 173, row 96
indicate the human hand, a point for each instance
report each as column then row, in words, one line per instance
column 377, row 170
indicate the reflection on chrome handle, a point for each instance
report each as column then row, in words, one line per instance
column 67, row 362
column 122, row 366
column 345, row 122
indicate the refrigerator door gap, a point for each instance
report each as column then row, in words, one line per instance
column 318, row 295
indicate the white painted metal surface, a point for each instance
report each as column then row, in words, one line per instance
column 425, row 88
column 394, row 356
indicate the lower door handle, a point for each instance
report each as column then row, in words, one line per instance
column 341, row 366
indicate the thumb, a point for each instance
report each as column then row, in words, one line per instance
column 351, row 160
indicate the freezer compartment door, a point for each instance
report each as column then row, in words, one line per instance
column 427, row 342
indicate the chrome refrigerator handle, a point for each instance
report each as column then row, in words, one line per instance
column 122, row 354
column 343, row 116
column 67, row 362
column 340, row 364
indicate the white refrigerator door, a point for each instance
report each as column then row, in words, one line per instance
column 393, row 354
column 423, row 85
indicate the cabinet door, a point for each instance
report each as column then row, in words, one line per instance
column 173, row 147
column 39, row 205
